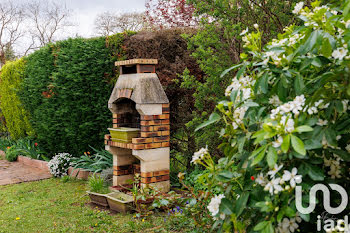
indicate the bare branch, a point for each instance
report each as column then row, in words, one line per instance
column 108, row 23
column 47, row 19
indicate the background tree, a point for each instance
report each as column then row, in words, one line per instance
column 11, row 21
column 170, row 13
column 108, row 23
column 47, row 19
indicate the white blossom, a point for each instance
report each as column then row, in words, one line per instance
column 238, row 116
column 273, row 186
column 347, row 148
column 261, row 179
column 275, row 101
column 340, row 53
column 59, row 164
column 276, row 169
column 298, row 7
column 244, row 32
column 214, row 204
column 334, row 165
column 199, row 155
column 322, row 122
column 278, row 142
column 292, row 177
column 256, row 26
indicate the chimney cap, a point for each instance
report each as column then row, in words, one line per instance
column 137, row 61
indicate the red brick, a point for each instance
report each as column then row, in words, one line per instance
column 147, row 117
column 161, row 128
column 165, row 122
column 165, row 133
column 166, row 105
column 153, row 145
column 161, row 117
column 165, row 144
column 142, row 140
column 146, row 128
column 162, row 139
column 138, row 146
column 150, row 134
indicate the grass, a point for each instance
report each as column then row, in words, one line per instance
column 56, row 206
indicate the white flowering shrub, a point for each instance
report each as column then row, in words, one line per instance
column 287, row 124
column 59, row 164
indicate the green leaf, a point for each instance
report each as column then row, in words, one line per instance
column 241, row 71
column 298, row 145
column 271, row 157
column 326, row 48
column 305, row 217
column 214, row 117
column 229, row 69
column 263, row 83
column 304, row 128
column 226, row 206
column 286, row 143
column 290, row 212
column 310, row 43
column 315, row 173
column 342, row 154
column 312, row 144
column 241, row 203
column 260, row 156
column 225, row 176
column 268, row 228
column 261, row 225
column 299, row 84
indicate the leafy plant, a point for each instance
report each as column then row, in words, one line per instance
column 286, row 124
column 30, row 149
column 5, row 143
column 99, row 161
column 97, row 184
column 57, row 91
column 17, row 118
column 59, row 164
column 12, row 153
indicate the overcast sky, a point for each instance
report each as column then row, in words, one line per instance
column 85, row 11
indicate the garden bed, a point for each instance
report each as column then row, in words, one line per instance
column 40, row 164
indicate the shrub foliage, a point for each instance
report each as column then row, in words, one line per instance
column 66, row 90
column 17, row 118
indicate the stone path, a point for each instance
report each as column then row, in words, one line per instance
column 15, row 172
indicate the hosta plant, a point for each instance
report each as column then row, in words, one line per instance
column 287, row 125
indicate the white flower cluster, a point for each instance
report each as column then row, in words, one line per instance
column 334, row 164
column 238, row 116
column 214, row 204
column 289, row 225
column 243, row 85
column 59, row 164
column 294, row 106
column 275, row 101
column 274, row 186
column 199, row 155
column 340, row 53
column 298, row 7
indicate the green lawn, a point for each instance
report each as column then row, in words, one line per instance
column 54, row 206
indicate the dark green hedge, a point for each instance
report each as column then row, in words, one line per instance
column 66, row 90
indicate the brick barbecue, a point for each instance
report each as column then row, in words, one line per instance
column 139, row 102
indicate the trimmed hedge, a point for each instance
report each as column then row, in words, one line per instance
column 17, row 118
column 66, row 90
